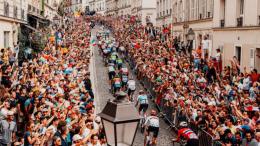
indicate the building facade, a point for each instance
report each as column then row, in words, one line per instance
column 236, row 30
column 163, row 13
column 124, row 7
column 145, row 10
column 112, row 7
column 12, row 15
column 195, row 14
column 99, row 6
column 76, row 5
column 50, row 9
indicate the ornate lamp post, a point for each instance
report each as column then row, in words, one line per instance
column 190, row 38
column 120, row 120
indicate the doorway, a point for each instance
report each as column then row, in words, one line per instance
column 257, row 59
column 238, row 53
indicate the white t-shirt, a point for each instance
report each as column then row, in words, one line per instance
column 131, row 84
column 205, row 44
column 218, row 56
column 90, row 144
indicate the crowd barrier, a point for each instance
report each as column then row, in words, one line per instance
column 171, row 114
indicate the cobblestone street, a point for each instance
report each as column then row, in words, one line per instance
column 102, row 94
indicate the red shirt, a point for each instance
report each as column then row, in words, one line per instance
column 254, row 77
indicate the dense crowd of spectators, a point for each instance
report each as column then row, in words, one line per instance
column 223, row 103
column 48, row 100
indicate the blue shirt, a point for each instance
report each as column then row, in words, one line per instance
column 26, row 142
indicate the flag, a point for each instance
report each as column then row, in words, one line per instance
column 93, row 42
column 251, row 108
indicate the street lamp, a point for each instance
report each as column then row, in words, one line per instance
column 120, row 120
column 190, row 38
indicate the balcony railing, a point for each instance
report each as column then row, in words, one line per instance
column 240, row 22
column 222, row 23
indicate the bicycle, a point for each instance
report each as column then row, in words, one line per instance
column 182, row 142
column 142, row 121
column 149, row 140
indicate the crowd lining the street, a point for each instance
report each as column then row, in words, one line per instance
column 48, row 100
column 224, row 103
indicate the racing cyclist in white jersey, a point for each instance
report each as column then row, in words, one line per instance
column 152, row 125
column 131, row 88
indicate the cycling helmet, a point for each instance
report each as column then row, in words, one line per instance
column 153, row 113
column 183, row 124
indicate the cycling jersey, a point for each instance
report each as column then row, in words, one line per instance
column 113, row 57
column 142, row 99
column 131, row 84
column 152, row 121
column 124, row 79
column 119, row 61
column 187, row 133
column 124, row 70
column 111, row 69
column 117, row 82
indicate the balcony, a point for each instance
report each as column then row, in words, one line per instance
column 240, row 22
column 222, row 23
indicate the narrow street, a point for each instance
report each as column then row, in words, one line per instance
column 102, row 95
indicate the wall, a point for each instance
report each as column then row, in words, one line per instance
column 250, row 12
column 148, row 3
column 6, row 26
column 231, row 15
column 247, row 39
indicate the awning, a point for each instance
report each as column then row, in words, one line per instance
column 32, row 28
column 39, row 18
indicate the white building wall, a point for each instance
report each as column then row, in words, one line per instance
column 11, row 23
column 230, row 36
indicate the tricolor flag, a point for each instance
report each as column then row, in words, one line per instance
column 251, row 108
column 93, row 42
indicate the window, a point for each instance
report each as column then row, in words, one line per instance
column 15, row 11
column 241, row 10
column 22, row 14
column 6, row 39
column 29, row 7
column 6, row 9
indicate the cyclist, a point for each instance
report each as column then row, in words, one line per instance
column 142, row 99
column 111, row 71
column 131, row 88
column 152, row 125
column 113, row 58
column 124, row 79
column 187, row 134
column 124, row 70
column 116, row 83
column 119, row 63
